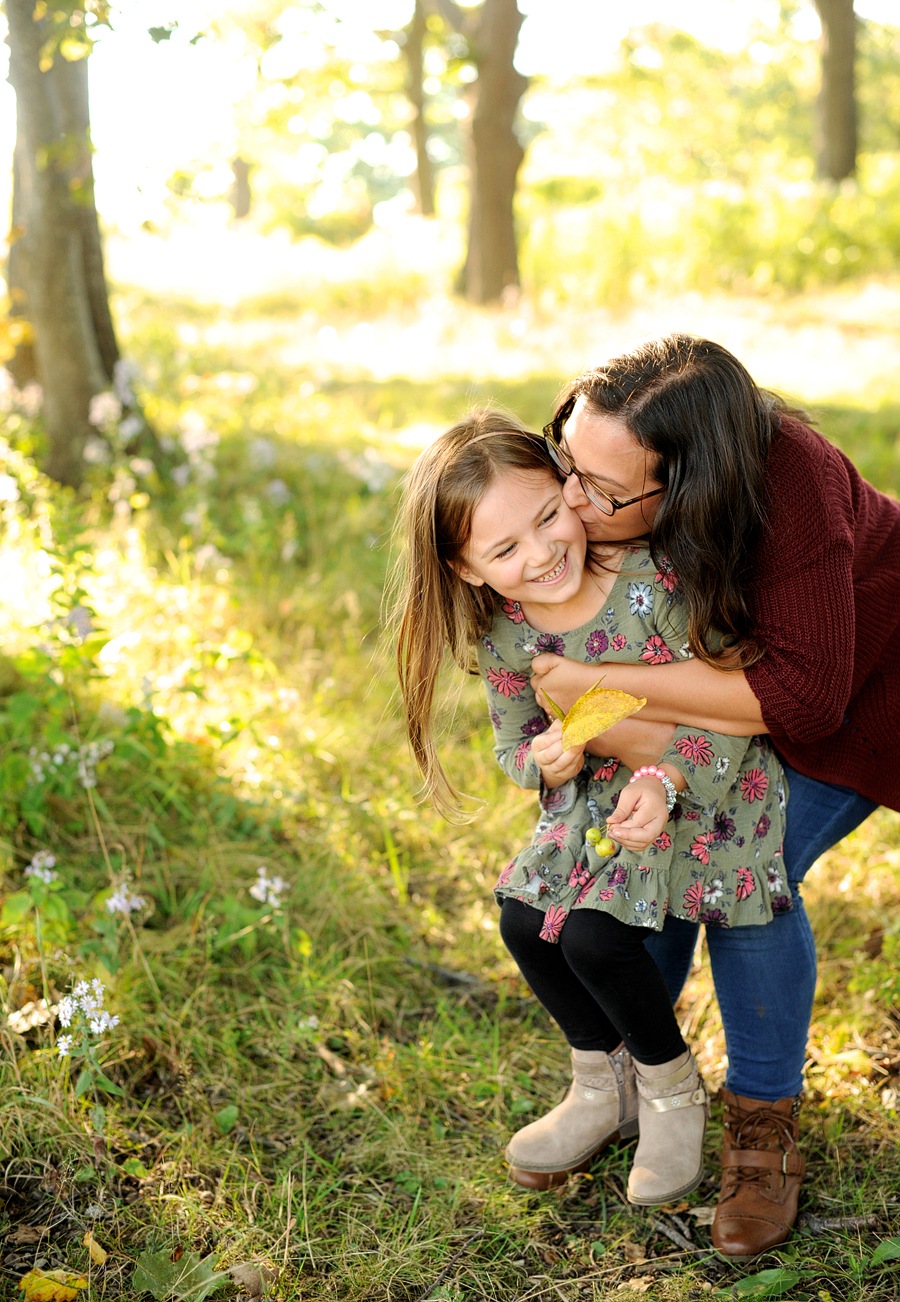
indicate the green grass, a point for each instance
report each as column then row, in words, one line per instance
column 308, row 1091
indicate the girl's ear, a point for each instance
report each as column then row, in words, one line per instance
column 467, row 575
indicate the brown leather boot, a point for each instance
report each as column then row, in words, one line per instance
column 761, row 1174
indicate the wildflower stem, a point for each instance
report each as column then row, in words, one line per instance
column 40, row 948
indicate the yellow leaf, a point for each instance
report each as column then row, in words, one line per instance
column 596, row 711
column 51, row 1285
column 98, row 1254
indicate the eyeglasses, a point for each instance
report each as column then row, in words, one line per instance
column 561, row 459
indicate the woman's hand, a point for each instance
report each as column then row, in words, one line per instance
column 557, row 765
column 564, row 679
column 640, row 814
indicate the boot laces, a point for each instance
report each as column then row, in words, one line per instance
column 757, row 1130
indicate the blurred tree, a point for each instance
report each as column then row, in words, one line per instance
column 836, row 151
column 241, row 196
column 56, row 262
column 496, row 154
column 414, row 52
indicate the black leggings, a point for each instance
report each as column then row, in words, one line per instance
column 598, row 982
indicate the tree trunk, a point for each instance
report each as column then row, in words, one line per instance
column 61, row 256
column 241, row 196
column 492, row 261
column 21, row 365
column 424, row 174
column 836, row 145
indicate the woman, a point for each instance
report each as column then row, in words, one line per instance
column 772, row 537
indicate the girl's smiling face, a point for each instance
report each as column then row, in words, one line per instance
column 525, row 542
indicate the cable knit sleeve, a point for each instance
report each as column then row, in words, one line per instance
column 802, row 590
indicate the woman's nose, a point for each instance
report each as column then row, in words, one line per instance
column 573, row 493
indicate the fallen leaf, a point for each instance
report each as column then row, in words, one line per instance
column 639, row 1285
column 255, row 1281
column 634, row 1253
column 226, row 1118
column 27, row 1234
column 51, row 1285
column 134, row 1166
column 98, row 1254
column 188, row 1277
column 596, row 711
column 37, row 1013
column 703, row 1215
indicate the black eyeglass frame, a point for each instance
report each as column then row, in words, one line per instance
column 563, row 462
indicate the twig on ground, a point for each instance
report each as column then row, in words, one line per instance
column 677, row 1237
column 444, row 974
column 451, row 1263
column 822, row 1224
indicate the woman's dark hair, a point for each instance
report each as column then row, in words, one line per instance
column 693, row 405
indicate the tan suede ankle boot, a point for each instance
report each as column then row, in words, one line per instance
column 601, row 1105
column 668, row 1162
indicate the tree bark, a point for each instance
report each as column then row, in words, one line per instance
column 495, row 153
column 837, row 127
column 424, row 174
column 241, row 195
column 61, row 256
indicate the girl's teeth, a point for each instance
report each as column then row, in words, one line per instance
column 557, row 569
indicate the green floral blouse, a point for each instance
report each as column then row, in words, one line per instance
column 718, row 861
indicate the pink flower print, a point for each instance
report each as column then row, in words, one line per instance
column 690, row 814
column 534, row 726
column 724, row 827
column 617, row 876
column 667, row 576
column 495, row 719
column 762, row 826
column 643, row 868
column 512, row 610
column 579, row 875
column 549, row 642
column 700, row 846
column 746, row 884
column 585, row 890
column 606, row 894
column 554, row 800
column 507, row 682
column 607, row 769
column 663, row 841
column 596, row 644
column 523, row 750
column 694, row 747
column 656, row 652
column 754, row 785
column 618, row 642
column 693, row 899
column 505, row 875
column 557, row 835
column 553, row 923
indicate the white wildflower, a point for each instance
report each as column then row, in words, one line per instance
column 64, row 1045
column 66, row 1009
column 268, row 890
column 41, row 867
column 105, row 409
column 124, row 901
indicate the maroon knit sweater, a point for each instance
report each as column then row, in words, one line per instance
column 826, row 601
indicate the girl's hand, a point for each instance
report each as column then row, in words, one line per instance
column 556, row 764
column 640, row 815
column 564, row 679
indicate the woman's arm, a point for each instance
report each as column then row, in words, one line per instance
column 689, row 692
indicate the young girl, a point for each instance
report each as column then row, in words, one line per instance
column 498, row 563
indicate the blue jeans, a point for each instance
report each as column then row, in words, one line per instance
column 765, row 976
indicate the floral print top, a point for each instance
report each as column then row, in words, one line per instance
column 718, row 860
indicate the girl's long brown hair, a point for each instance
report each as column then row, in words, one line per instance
column 434, row 609
column 693, row 405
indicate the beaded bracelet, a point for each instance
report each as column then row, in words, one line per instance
column 651, row 771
